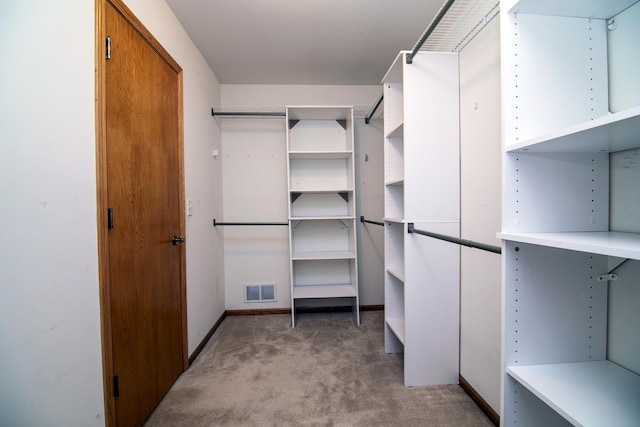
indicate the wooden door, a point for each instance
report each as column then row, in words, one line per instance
column 144, row 187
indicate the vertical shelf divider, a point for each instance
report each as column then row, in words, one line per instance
column 421, row 185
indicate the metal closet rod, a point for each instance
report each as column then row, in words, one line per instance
column 370, row 222
column 463, row 242
column 216, row 223
column 368, row 118
column 243, row 113
column 432, row 26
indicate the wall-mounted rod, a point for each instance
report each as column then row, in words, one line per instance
column 371, row 222
column 463, row 242
column 368, row 118
column 432, row 26
column 216, row 223
column 243, row 113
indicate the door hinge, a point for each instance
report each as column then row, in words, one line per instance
column 107, row 54
column 110, row 218
column 116, row 386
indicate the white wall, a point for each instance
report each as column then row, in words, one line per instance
column 50, row 348
column 480, row 152
column 255, row 189
column 370, row 204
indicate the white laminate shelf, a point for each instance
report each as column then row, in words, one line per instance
column 396, row 182
column 314, row 189
column 323, row 191
column 610, row 243
column 611, row 133
column 324, row 291
column 322, row 218
column 396, row 271
column 587, row 393
column 397, row 327
column 328, row 255
column 582, row 9
column 397, row 132
column 320, row 155
column 395, row 72
column 394, row 220
column 324, row 112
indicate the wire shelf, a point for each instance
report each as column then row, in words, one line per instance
column 460, row 24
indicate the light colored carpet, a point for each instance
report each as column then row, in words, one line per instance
column 258, row 371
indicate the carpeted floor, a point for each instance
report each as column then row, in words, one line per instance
column 258, row 371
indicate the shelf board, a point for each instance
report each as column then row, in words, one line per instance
column 323, row 190
column 586, row 393
column 323, row 291
column 396, row 271
column 315, row 112
column 320, row 155
column 311, row 256
column 611, row 133
column 395, row 182
column 581, row 9
column 394, row 73
column 398, row 132
column 394, row 219
column 323, row 218
column 611, row 243
column 397, row 327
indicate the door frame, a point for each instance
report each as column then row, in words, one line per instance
column 102, row 205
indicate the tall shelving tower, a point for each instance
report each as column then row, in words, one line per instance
column 422, row 186
column 560, row 252
column 322, row 227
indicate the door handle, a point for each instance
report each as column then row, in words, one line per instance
column 177, row 240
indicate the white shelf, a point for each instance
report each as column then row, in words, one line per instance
column 586, row 394
column 582, row 9
column 624, row 245
column 324, row 291
column 615, row 132
column 320, row 112
column 310, row 256
column 322, row 190
column 394, row 220
column 397, row 182
column 397, row 132
column 319, row 218
column 320, row 155
column 397, row 327
column 396, row 271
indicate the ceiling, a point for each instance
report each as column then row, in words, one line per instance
column 317, row 42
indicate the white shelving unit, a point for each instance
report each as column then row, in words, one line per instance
column 558, row 138
column 322, row 228
column 421, row 161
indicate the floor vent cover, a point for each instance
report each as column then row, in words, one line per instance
column 260, row 292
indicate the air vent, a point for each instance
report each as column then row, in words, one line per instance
column 260, row 292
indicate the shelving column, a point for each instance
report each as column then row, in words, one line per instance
column 322, row 231
column 559, row 247
column 422, row 186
